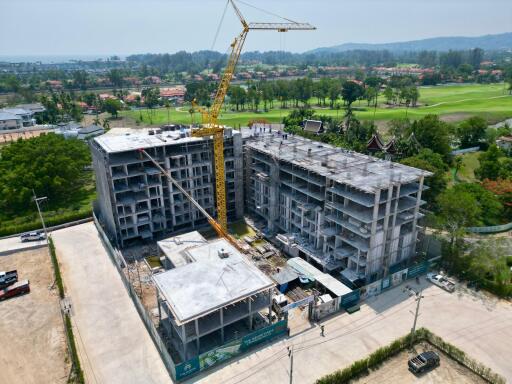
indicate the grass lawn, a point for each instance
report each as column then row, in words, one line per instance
column 470, row 163
column 453, row 102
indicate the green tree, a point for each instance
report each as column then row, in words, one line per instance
column 116, row 77
column 490, row 167
column 433, row 133
column 487, row 265
column 457, row 211
column 433, row 162
column 490, row 206
column 112, row 106
column 471, row 131
column 350, row 92
column 49, row 164
column 334, row 93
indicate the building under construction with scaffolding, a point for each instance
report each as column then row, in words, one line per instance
column 135, row 201
column 341, row 210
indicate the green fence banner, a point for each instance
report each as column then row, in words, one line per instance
column 227, row 351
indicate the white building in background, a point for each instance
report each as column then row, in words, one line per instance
column 10, row 121
column 26, row 116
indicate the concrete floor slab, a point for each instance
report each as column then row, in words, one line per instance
column 113, row 343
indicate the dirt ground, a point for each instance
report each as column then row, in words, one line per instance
column 31, row 328
column 395, row 371
column 6, row 137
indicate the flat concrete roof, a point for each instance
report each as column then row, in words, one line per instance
column 332, row 284
column 174, row 247
column 209, row 282
column 133, row 141
column 357, row 170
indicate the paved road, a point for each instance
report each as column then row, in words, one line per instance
column 113, row 343
column 14, row 244
column 479, row 326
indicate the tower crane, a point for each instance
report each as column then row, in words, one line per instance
column 210, row 126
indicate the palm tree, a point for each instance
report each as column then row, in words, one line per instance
column 106, row 124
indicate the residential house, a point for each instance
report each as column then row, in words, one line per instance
column 25, row 115
column 9, row 121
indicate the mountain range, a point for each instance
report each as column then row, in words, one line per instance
column 502, row 41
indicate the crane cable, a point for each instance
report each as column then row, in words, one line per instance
column 220, row 25
column 267, row 12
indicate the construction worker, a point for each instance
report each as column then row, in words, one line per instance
column 322, row 331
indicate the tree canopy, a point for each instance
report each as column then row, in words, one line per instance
column 427, row 160
column 433, row 133
column 471, row 131
column 49, row 164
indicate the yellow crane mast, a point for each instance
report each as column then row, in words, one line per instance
column 210, row 126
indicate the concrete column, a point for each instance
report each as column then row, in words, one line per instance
column 417, row 208
column 270, row 306
column 249, row 302
column 184, row 341
column 370, row 257
column 159, row 307
column 385, row 228
column 221, row 312
column 198, row 345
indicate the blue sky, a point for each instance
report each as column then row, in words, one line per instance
column 87, row 27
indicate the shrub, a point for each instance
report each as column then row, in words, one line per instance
column 56, row 268
column 78, row 374
column 362, row 367
column 50, row 222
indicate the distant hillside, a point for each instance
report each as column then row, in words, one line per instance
column 498, row 42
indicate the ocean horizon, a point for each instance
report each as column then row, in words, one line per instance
column 53, row 59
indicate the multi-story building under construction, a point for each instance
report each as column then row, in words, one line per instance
column 135, row 201
column 339, row 209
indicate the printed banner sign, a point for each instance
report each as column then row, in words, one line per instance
column 229, row 350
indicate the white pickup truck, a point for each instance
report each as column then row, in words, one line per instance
column 441, row 281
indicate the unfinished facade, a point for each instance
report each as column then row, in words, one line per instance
column 211, row 295
column 343, row 210
column 135, row 201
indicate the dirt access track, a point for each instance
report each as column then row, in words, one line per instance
column 33, row 345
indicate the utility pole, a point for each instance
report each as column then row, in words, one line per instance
column 418, row 298
column 37, row 200
column 290, row 355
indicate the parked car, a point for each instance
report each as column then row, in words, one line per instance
column 32, row 236
column 19, row 288
column 441, row 281
column 423, row 361
column 8, row 277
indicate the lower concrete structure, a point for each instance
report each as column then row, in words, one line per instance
column 213, row 296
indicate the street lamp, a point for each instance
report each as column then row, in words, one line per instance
column 418, row 298
column 37, row 200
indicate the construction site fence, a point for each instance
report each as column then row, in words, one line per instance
column 121, row 265
column 491, row 229
column 464, row 150
column 394, row 278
